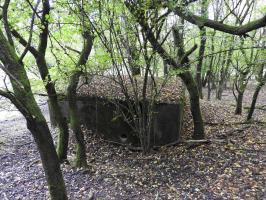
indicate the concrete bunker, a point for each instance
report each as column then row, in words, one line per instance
column 99, row 107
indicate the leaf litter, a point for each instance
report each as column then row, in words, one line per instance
column 232, row 169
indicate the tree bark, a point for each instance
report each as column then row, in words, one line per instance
column 81, row 158
column 62, row 145
column 253, row 104
column 209, row 75
column 74, row 120
column 39, row 55
column 203, row 39
column 194, row 106
column 165, row 68
column 191, row 85
column 24, row 100
column 224, row 72
column 63, row 136
column 209, row 88
column 239, row 101
column 50, row 161
column 201, row 56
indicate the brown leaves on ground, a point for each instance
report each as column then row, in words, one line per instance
column 232, row 169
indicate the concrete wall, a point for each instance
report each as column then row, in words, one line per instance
column 103, row 117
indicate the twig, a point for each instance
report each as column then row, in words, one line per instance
column 229, row 133
column 19, row 145
column 204, row 141
column 243, row 149
column 234, row 123
column 33, row 162
column 258, row 108
column 124, row 145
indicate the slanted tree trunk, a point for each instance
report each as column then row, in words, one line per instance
column 62, row 144
column 24, row 100
column 253, row 103
column 260, row 84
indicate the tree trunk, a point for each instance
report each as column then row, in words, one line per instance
column 209, row 76
column 63, row 136
column 239, row 101
column 81, row 158
column 204, row 14
column 191, row 86
column 204, row 80
column 165, row 68
column 39, row 55
column 219, row 91
column 24, row 100
column 209, row 88
column 201, row 56
column 224, row 71
column 50, row 161
column 74, row 120
column 254, row 100
column 194, row 105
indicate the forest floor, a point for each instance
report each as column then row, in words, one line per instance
column 231, row 166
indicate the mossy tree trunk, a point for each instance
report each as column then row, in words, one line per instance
column 190, row 83
column 194, row 105
column 261, row 82
column 74, row 120
column 240, row 85
column 253, row 103
column 203, row 38
column 39, row 55
column 63, row 136
column 72, row 99
column 22, row 97
column 129, row 42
